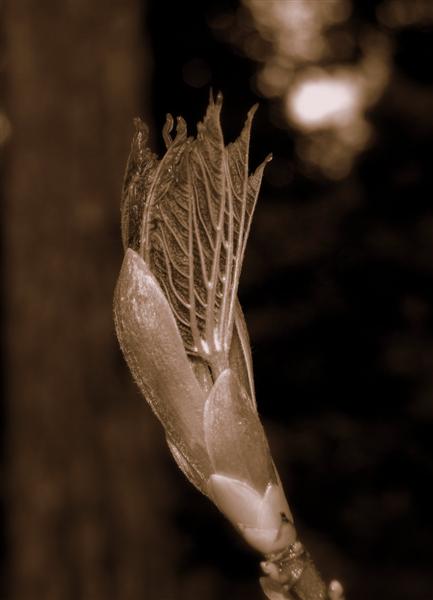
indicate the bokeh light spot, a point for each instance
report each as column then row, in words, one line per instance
column 323, row 101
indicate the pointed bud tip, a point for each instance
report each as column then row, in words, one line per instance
column 131, row 256
column 138, row 123
column 253, row 111
column 180, row 126
column 132, row 262
column 140, row 128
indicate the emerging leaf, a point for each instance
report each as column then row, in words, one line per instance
column 140, row 172
column 197, row 204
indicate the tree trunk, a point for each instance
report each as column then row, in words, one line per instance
column 85, row 496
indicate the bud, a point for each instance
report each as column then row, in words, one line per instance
column 217, row 439
column 185, row 224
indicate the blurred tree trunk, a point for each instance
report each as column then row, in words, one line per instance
column 85, row 502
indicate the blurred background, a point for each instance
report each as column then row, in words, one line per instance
column 337, row 291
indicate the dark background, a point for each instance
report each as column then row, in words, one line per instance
column 337, row 293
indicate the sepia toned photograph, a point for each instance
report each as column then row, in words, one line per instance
column 217, row 300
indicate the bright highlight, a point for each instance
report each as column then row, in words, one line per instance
column 325, row 102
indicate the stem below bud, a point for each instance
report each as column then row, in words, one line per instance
column 292, row 575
